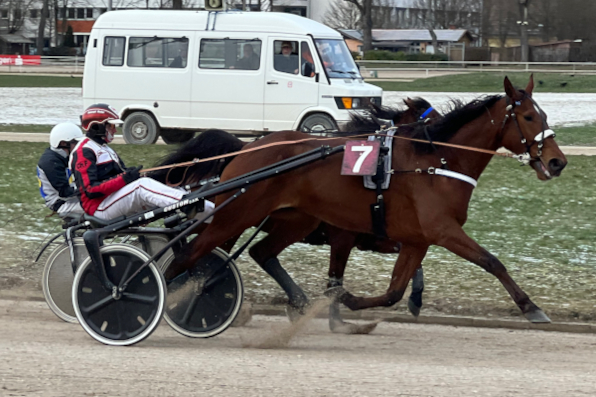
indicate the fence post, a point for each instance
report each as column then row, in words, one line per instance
column 76, row 64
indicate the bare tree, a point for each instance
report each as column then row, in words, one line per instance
column 17, row 11
column 366, row 22
column 342, row 15
column 446, row 14
column 45, row 13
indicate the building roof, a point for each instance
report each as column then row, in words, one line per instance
column 233, row 21
column 407, row 35
column 15, row 39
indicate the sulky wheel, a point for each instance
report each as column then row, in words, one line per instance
column 137, row 312
column 57, row 277
column 201, row 303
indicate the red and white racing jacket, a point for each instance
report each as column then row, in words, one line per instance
column 97, row 170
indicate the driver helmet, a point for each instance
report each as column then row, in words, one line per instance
column 95, row 118
column 66, row 132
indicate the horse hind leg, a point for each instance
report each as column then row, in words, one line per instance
column 408, row 261
column 461, row 244
column 341, row 242
column 285, row 228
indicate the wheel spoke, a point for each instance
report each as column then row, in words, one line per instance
column 98, row 305
column 215, row 279
column 139, row 298
column 207, row 299
column 125, row 275
column 190, row 309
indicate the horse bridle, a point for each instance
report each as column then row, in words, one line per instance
column 526, row 158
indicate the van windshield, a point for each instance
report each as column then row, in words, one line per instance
column 337, row 59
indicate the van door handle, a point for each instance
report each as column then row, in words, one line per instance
column 272, row 82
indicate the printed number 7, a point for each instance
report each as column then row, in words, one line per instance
column 366, row 150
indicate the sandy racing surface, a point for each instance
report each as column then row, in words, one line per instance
column 43, row 356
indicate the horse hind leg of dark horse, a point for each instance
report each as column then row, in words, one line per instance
column 284, row 228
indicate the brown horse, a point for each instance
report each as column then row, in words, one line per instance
column 289, row 226
column 423, row 208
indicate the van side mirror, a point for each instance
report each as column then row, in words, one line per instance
column 308, row 69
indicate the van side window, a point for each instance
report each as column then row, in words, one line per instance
column 307, row 64
column 230, row 54
column 285, row 58
column 113, row 51
column 158, row 52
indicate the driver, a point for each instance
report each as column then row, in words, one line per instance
column 53, row 173
column 108, row 189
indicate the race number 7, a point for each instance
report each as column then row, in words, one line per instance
column 360, row 158
column 364, row 152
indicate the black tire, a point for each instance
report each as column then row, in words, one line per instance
column 57, row 279
column 202, row 304
column 136, row 314
column 318, row 123
column 140, row 128
column 172, row 137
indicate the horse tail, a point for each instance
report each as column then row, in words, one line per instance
column 209, row 143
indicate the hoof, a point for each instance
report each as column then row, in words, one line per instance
column 295, row 313
column 537, row 317
column 244, row 316
column 340, row 327
column 413, row 308
column 335, row 293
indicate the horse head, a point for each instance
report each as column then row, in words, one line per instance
column 525, row 131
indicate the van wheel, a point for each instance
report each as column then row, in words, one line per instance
column 319, row 124
column 172, row 137
column 140, row 128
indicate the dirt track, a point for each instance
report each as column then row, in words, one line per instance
column 41, row 355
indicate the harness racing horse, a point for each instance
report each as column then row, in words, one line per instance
column 289, row 226
column 423, row 207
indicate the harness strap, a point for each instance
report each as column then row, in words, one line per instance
column 426, row 113
column 456, row 175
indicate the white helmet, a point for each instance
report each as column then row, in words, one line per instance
column 65, row 132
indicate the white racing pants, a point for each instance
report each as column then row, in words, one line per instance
column 141, row 195
column 71, row 208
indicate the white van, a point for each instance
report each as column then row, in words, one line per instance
column 172, row 73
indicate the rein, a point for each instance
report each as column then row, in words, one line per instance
column 381, row 133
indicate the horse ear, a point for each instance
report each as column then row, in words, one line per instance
column 530, row 85
column 408, row 102
column 509, row 89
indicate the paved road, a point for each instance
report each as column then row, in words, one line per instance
column 43, row 356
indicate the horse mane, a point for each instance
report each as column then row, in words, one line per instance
column 365, row 123
column 445, row 128
column 209, row 143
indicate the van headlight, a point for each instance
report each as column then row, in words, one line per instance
column 356, row 102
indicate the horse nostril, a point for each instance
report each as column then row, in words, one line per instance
column 556, row 165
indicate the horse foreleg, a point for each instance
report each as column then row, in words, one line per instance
column 408, row 261
column 462, row 245
column 284, row 230
column 415, row 300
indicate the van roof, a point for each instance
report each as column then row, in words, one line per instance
column 232, row 21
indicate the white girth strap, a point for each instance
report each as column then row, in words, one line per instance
column 456, row 175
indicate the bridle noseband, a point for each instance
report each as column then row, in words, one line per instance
column 525, row 158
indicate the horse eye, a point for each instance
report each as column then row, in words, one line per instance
column 528, row 118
